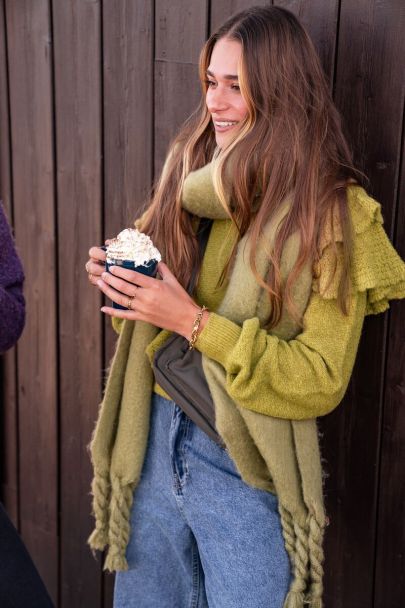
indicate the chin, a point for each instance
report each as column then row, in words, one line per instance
column 222, row 141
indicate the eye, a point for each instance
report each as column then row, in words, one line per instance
column 209, row 83
column 235, row 87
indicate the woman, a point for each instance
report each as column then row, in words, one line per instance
column 289, row 272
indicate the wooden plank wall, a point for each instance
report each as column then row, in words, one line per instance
column 90, row 95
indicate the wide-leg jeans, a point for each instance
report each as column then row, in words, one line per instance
column 200, row 536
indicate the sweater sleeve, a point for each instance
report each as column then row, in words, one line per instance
column 12, row 304
column 300, row 378
column 307, row 376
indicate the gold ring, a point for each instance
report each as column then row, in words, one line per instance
column 129, row 303
column 130, row 300
column 90, row 276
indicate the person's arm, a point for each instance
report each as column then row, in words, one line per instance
column 12, row 304
column 308, row 375
column 300, row 378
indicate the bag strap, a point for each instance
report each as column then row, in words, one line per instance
column 203, row 233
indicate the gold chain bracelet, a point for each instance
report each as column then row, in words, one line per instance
column 196, row 327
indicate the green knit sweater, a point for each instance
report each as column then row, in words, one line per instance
column 267, row 386
column 259, row 366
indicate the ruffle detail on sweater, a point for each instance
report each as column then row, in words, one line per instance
column 375, row 266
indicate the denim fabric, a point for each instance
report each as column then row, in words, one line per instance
column 200, row 536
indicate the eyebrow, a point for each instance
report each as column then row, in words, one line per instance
column 226, row 76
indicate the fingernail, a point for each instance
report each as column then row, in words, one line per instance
column 104, row 275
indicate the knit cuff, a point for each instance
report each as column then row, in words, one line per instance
column 218, row 338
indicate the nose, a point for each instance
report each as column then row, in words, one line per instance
column 216, row 100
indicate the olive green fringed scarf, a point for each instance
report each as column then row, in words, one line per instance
column 277, row 455
column 274, row 454
column 119, row 441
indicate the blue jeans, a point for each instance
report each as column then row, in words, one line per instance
column 200, row 536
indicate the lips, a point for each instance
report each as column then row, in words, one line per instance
column 224, row 124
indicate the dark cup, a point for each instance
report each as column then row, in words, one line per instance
column 149, row 269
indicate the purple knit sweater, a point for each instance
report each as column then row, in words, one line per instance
column 12, row 305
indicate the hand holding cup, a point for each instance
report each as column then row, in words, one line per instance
column 95, row 265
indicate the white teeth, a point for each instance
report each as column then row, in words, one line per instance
column 225, row 124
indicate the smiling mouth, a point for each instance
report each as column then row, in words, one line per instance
column 224, row 125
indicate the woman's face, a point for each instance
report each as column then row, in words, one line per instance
column 224, row 101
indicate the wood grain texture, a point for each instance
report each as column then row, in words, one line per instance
column 177, row 93
column 5, row 158
column 128, row 36
column 128, row 110
column 125, row 78
column 180, row 29
column 368, row 87
column 30, row 64
column 390, row 559
column 78, row 152
column 369, row 91
column 177, row 87
column 8, row 397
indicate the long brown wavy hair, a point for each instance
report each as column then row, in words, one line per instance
column 291, row 143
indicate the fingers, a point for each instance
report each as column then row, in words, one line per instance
column 132, row 315
column 94, row 270
column 95, row 266
column 121, row 285
column 164, row 272
column 125, row 298
column 97, row 254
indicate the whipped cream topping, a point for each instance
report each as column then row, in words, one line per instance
column 130, row 244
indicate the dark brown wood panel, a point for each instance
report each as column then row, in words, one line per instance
column 128, row 110
column 367, row 68
column 88, row 126
column 177, row 88
column 78, row 102
column 30, row 65
column 369, row 86
column 128, row 36
column 9, row 435
column 177, row 93
column 8, row 400
column 5, row 160
column 180, row 29
column 390, row 559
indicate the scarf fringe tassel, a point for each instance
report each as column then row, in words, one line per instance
column 113, row 499
column 294, row 599
column 101, row 491
column 304, row 546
